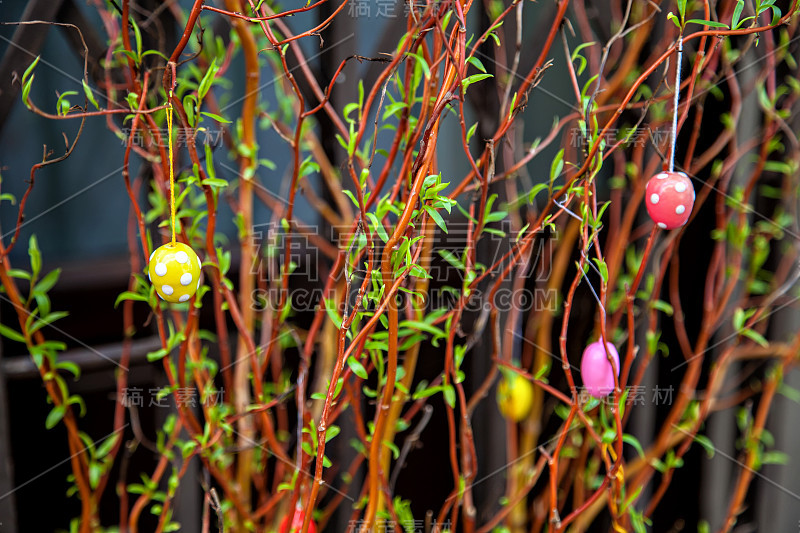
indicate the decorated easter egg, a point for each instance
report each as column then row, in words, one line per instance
column 174, row 270
column 669, row 197
column 297, row 523
column 514, row 396
column 596, row 370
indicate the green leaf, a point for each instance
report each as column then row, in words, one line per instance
column 128, row 295
column 452, row 259
column 19, row 274
column 737, row 12
column 105, row 448
column 706, row 443
column 26, row 89
column 449, row 395
column 35, row 255
column 632, row 441
column 576, row 55
column 422, row 326
column 775, row 458
column 95, row 471
column 89, row 95
column 208, row 78
column 138, row 36
column 76, row 400
column 663, row 306
column 49, row 319
column 29, row 70
column 609, row 436
column 47, row 282
column 658, row 465
column 5, row 331
column 332, row 432
column 738, row 319
column 475, row 62
column 70, row 366
column 332, row 314
column 495, row 217
column 357, row 368
column 378, row 227
column 392, row 446
column 156, row 355
column 493, row 231
column 62, row 104
column 55, row 416
column 471, row 131
column 307, row 449
column 155, row 52
column 189, row 107
column 393, row 108
column 437, row 218
column 601, row 265
column 469, row 80
column 419, row 272
column 556, row 166
column 755, row 336
column 776, row 15
column 423, row 64
column 682, row 8
column 350, row 195
column 218, row 118
column 215, row 182
column 709, row 23
column 423, row 391
column 789, row 392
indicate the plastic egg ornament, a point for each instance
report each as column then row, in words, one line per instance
column 297, row 523
column 514, row 396
column 596, row 370
column 174, row 270
column 669, row 197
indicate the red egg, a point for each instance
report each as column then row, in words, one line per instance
column 596, row 371
column 297, row 523
column 669, row 197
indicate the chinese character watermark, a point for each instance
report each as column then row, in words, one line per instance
column 638, row 136
column 404, row 526
column 159, row 397
column 299, row 246
column 636, row 395
column 205, row 136
column 385, row 8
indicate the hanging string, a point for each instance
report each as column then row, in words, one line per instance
column 675, row 104
column 171, row 171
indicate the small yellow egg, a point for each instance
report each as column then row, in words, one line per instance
column 514, row 397
column 174, row 270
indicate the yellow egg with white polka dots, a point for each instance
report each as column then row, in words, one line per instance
column 174, row 270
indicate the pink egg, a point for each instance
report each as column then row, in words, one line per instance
column 596, row 371
column 669, row 197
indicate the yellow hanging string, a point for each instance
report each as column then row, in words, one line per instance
column 171, row 172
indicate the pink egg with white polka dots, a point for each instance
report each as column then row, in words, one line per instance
column 669, row 197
